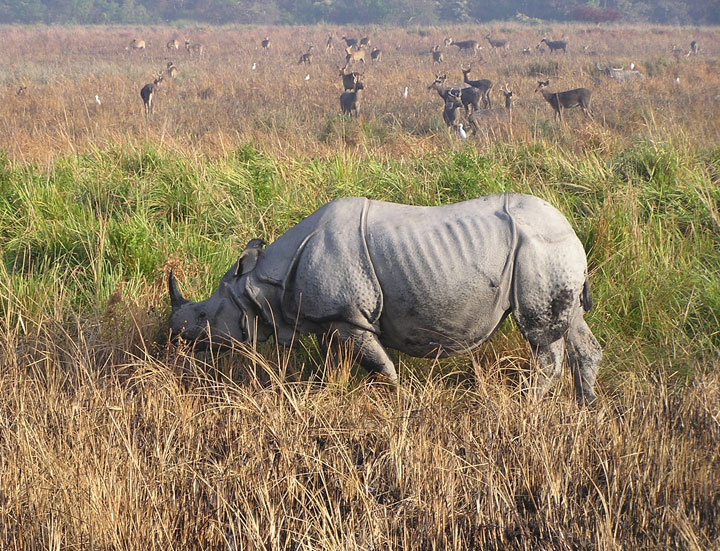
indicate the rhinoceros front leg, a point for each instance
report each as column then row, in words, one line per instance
column 549, row 358
column 365, row 345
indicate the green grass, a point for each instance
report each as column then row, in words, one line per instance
column 115, row 220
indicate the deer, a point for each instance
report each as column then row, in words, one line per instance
column 448, row 41
column 349, row 79
column 265, row 44
column 483, row 85
column 307, row 56
column 437, row 55
column 172, row 45
column 137, row 44
column 469, row 96
column 565, row 100
column 364, row 41
column 329, row 44
column 350, row 101
column 354, row 55
column 452, row 104
column 488, row 117
column 555, row 45
column 467, row 45
column 350, row 42
column 148, row 91
column 171, row 70
column 376, row 55
column 497, row 43
column 194, row 49
column 694, row 48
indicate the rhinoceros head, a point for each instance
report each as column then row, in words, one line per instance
column 227, row 316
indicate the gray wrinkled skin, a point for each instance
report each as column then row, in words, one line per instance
column 427, row 281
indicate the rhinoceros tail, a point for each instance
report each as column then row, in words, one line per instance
column 586, row 300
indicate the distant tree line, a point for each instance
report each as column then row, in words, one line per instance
column 401, row 12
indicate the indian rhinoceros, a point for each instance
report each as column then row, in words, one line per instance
column 427, row 281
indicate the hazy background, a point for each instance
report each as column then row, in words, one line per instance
column 356, row 11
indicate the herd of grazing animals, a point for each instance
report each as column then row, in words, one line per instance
column 474, row 96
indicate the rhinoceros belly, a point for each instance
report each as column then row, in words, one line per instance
column 445, row 273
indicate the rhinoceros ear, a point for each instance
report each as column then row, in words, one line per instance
column 249, row 257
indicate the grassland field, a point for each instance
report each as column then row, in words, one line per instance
column 112, row 438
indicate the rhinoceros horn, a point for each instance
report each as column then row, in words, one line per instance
column 176, row 299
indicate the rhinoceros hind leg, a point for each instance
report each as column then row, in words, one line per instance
column 584, row 355
column 549, row 358
column 370, row 353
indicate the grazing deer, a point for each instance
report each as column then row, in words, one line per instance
column 364, row 41
column 467, row 45
column 194, row 49
column 329, row 44
column 694, row 48
column 469, row 96
column 483, row 85
column 437, row 55
column 497, row 43
column 171, row 70
column 148, row 92
column 452, row 104
column 350, row 42
column 137, row 44
column 376, row 55
column 487, row 117
column 350, row 101
column 565, row 100
column 265, row 43
column 555, row 45
column 349, row 79
column 354, row 55
column 307, row 56
column 172, row 45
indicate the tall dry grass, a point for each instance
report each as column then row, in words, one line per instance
column 274, row 106
column 102, row 450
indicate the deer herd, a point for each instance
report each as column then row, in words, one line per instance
column 472, row 98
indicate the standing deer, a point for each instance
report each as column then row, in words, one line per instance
column 694, row 48
column 194, row 49
column 350, row 101
column 376, row 55
column 487, row 117
column 437, row 55
column 172, row 45
column 483, row 85
column 148, row 92
column 555, row 45
column 467, row 45
column 350, row 42
column 452, row 104
column 349, row 79
column 364, row 41
column 265, row 43
column 469, row 96
column 354, row 55
column 330, row 44
column 307, row 56
column 447, row 41
column 565, row 100
column 497, row 43
column 171, row 70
